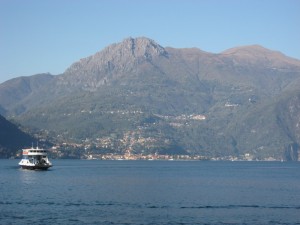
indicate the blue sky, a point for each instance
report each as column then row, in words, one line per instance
column 38, row 36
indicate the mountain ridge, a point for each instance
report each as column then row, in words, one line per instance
column 138, row 90
column 114, row 60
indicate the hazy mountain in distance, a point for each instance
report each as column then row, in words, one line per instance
column 20, row 94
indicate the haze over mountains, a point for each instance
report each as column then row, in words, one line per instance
column 140, row 97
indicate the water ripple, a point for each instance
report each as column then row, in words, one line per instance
column 147, row 205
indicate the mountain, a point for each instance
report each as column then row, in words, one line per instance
column 111, row 64
column 12, row 139
column 16, row 94
column 141, row 97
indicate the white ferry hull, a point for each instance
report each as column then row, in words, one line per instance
column 35, row 159
column 35, row 167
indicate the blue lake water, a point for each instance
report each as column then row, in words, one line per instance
column 151, row 192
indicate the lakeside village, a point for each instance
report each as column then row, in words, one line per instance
column 156, row 156
column 247, row 157
column 56, row 152
column 101, row 148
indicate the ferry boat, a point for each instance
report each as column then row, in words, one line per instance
column 35, row 159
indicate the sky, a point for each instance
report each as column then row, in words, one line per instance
column 47, row 36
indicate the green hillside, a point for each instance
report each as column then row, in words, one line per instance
column 140, row 97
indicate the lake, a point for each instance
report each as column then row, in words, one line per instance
column 151, row 192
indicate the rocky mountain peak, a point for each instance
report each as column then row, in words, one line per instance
column 113, row 60
column 129, row 50
column 142, row 47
